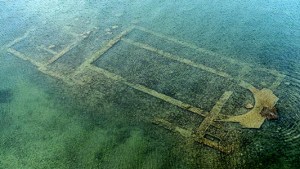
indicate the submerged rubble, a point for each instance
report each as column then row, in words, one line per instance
column 270, row 114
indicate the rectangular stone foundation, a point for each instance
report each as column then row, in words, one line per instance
column 222, row 75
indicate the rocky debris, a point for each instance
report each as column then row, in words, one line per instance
column 51, row 46
column 115, row 27
column 270, row 114
column 249, row 106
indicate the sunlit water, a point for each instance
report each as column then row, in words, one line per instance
column 93, row 120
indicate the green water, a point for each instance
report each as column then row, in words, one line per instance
column 51, row 122
column 42, row 128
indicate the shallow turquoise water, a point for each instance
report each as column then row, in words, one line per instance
column 56, row 114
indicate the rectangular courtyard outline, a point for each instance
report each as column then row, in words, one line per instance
column 200, row 133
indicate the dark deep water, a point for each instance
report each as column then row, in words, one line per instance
column 123, row 84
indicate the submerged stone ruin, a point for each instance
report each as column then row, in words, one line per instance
column 197, row 82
